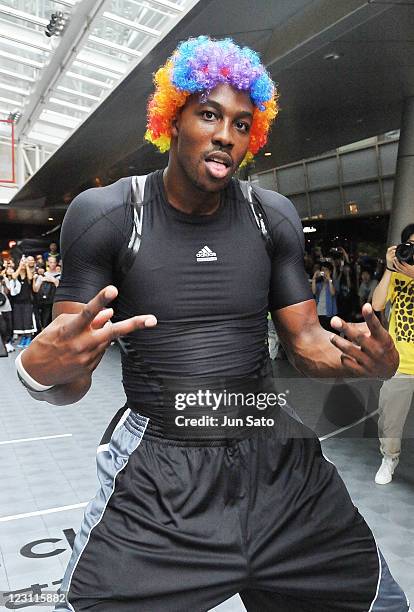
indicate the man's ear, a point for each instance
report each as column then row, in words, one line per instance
column 175, row 121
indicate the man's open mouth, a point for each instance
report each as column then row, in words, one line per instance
column 219, row 164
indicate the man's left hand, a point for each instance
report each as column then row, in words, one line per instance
column 369, row 350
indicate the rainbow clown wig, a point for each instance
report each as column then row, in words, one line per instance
column 199, row 65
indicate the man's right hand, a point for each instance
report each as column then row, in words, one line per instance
column 71, row 347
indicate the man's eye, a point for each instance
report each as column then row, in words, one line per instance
column 243, row 126
column 209, row 115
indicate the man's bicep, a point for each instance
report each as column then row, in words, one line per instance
column 289, row 283
column 89, row 240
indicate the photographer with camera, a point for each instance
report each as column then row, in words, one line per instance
column 397, row 287
column 325, row 294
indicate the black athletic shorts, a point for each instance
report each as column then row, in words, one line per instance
column 180, row 526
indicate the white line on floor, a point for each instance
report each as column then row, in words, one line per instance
column 33, row 439
column 342, row 429
column 15, row 517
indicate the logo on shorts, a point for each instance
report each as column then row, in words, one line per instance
column 206, row 254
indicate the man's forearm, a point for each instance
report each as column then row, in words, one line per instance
column 36, row 367
column 379, row 297
column 63, row 395
column 315, row 356
column 366, row 350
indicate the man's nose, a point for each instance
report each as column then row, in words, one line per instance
column 223, row 135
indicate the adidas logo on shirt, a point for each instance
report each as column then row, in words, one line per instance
column 206, row 254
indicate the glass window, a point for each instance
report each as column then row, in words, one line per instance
column 291, row 179
column 323, row 172
column 326, row 203
column 300, row 202
column 388, row 156
column 362, row 198
column 358, row 165
column 267, row 180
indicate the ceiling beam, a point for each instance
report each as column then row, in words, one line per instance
column 132, row 25
column 12, row 88
column 55, row 118
column 12, row 102
column 75, row 34
column 17, row 75
column 25, row 37
column 319, row 23
column 165, row 4
column 105, row 62
column 69, row 3
column 20, row 59
column 66, row 104
column 77, row 94
column 90, row 80
column 12, row 12
column 45, row 138
column 114, row 46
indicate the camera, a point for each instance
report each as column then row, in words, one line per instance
column 405, row 252
column 335, row 253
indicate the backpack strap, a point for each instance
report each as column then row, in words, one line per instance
column 259, row 214
column 136, row 201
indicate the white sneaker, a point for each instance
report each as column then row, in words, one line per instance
column 384, row 474
column 9, row 347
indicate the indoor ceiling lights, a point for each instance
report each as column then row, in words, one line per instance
column 14, row 116
column 332, row 57
column 56, row 24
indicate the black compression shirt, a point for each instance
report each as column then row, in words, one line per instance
column 207, row 278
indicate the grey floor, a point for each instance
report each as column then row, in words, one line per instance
column 45, row 483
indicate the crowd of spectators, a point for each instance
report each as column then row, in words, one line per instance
column 27, row 289
column 342, row 283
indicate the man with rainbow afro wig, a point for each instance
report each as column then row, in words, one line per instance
column 200, row 64
column 208, row 486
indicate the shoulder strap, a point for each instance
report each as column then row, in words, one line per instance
column 259, row 214
column 136, row 201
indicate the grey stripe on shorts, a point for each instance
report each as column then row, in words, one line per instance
column 111, row 459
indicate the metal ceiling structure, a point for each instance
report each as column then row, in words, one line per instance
column 59, row 59
column 343, row 69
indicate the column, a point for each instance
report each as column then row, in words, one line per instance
column 20, row 170
column 402, row 212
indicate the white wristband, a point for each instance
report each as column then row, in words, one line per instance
column 30, row 382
